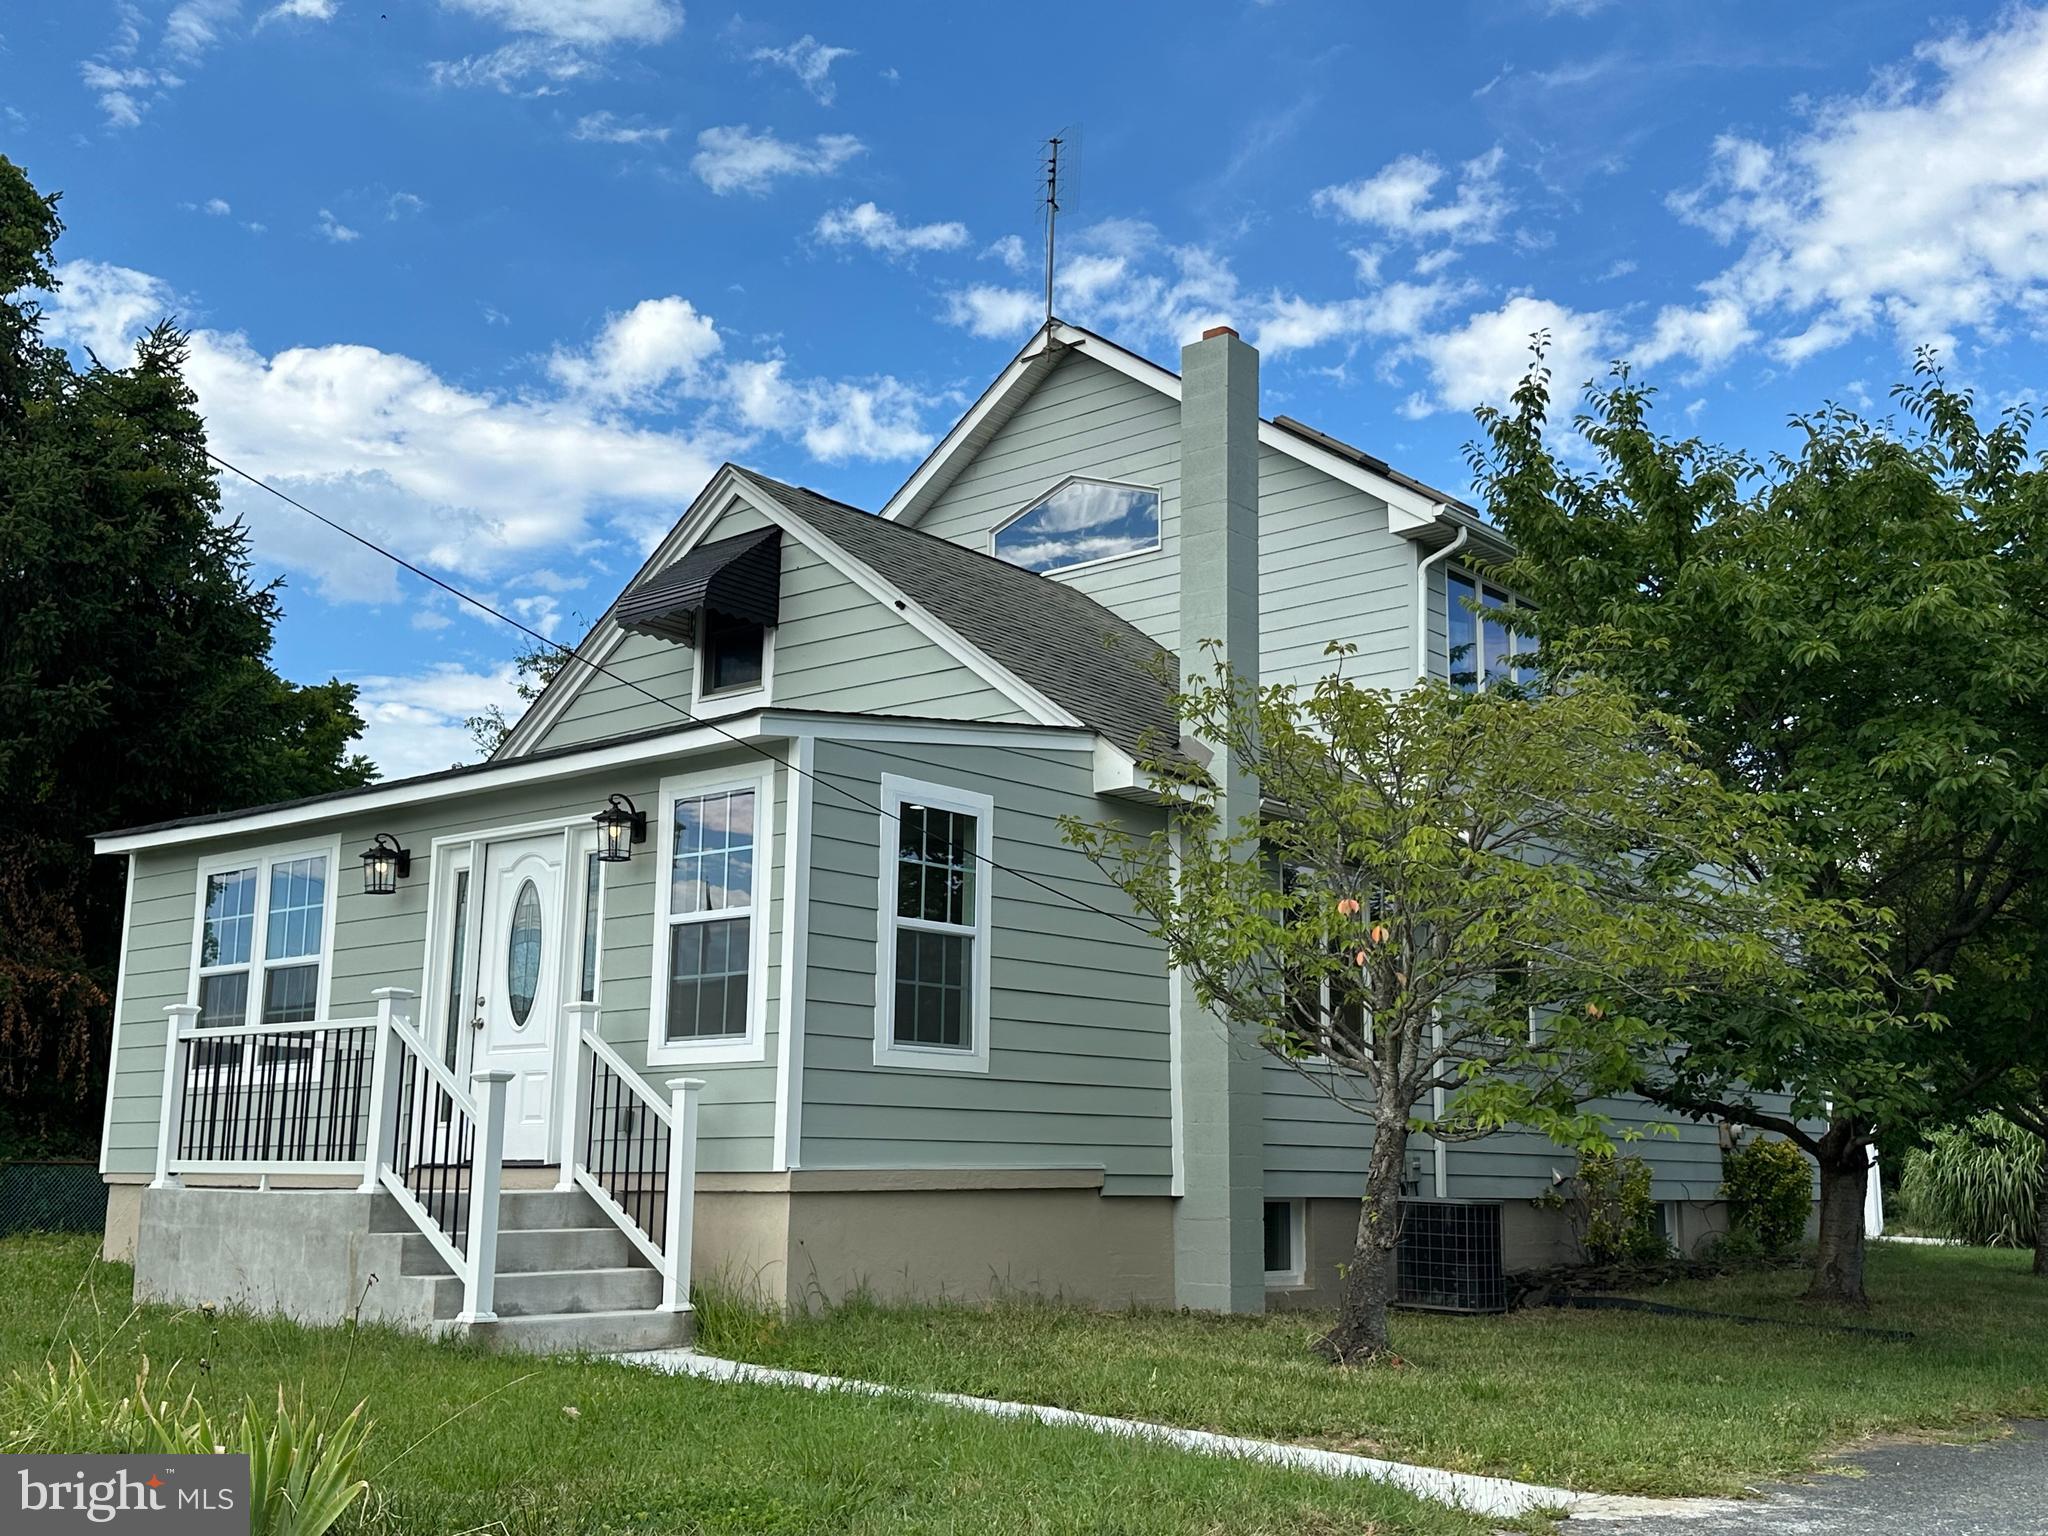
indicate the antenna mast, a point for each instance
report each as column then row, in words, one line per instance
column 1052, row 214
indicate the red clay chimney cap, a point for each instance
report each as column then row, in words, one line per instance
column 1220, row 330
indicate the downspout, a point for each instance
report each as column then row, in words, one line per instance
column 1422, row 570
column 1440, row 1155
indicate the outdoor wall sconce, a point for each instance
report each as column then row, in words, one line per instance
column 619, row 825
column 384, row 865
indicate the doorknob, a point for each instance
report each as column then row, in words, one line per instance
column 477, row 1020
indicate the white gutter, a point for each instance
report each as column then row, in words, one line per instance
column 1422, row 571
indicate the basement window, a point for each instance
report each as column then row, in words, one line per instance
column 1285, row 1247
column 1080, row 522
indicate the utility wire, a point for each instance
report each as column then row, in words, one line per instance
column 569, row 655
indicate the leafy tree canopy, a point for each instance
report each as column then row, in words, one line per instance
column 135, row 679
column 1857, row 633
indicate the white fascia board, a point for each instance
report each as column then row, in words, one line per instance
column 1407, row 510
column 954, row 442
column 743, row 731
column 670, row 744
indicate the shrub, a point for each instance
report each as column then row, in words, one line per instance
column 1979, row 1183
column 1768, row 1185
column 1617, row 1216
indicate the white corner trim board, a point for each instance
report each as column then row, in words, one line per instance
column 1496, row 1496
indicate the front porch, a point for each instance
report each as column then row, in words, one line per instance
column 339, row 1168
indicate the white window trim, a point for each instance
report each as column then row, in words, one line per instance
column 1158, row 523
column 898, row 791
column 588, row 915
column 1480, row 587
column 263, row 859
column 752, row 1046
column 1297, row 1245
column 731, row 701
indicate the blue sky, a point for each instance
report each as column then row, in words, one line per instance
column 501, row 281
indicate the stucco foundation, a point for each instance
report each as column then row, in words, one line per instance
column 314, row 1255
column 805, row 1239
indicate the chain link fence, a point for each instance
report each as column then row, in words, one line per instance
column 52, row 1196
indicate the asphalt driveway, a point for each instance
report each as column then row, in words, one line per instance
column 1998, row 1488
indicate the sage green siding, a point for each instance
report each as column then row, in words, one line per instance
column 1078, row 1032
column 837, row 647
column 1329, row 569
column 1083, row 419
column 380, row 941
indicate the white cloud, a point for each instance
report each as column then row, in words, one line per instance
column 1708, row 334
column 193, row 26
column 881, row 232
column 559, row 41
column 483, row 484
column 810, row 61
column 878, row 418
column 300, row 10
column 1481, row 361
column 415, row 724
column 1011, row 252
column 737, row 159
column 1397, row 311
column 401, row 205
column 1920, row 207
column 335, row 230
column 655, row 344
column 1574, row 7
column 217, row 206
column 605, row 128
column 124, row 94
column 985, row 310
column 595, row 23
column 1398, row 199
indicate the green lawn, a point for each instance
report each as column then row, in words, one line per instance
column 1595, row 1400
column 466, row 1442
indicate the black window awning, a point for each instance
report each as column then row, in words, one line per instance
column 740, row 577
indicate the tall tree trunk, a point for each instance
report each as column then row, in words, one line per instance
column 1844, row 1180
column 1360, row 1336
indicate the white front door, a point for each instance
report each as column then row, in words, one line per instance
column 519, row 984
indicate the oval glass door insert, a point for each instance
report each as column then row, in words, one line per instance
column 522, row 954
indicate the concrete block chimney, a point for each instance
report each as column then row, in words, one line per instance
column 1219, row 1257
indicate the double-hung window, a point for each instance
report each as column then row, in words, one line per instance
column 711, row 921
column 261, row 954
column 932, row 972
column 1482, row 645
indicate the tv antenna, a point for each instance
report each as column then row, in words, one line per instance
column 1052, row 213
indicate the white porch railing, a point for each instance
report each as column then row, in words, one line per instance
column 370, row 1099
column 633, row 1154
column 361, row 1097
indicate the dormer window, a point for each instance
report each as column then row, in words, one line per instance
column 733, row 650
column 1080, row 522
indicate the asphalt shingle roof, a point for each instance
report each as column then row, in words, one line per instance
column 1102, row 669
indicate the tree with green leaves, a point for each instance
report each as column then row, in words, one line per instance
column 135, row 680
column 1485, row 900
column 1856, row 633
column 533, row 669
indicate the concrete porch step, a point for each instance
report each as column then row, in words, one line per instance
column 567, row 1333
column 518, row 1210
column 528, row 1250
column 541, row 1292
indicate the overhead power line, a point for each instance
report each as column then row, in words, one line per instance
column 570, row 656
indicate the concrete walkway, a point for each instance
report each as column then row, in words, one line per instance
column 1493, row 1496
